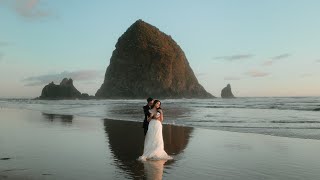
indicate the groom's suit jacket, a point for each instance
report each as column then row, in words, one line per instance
column 146, row 109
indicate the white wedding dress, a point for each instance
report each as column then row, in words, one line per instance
column 153, row 143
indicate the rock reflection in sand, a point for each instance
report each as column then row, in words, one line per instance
column 126, row 141
column 62, row 118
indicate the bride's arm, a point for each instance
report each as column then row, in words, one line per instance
column 161, row 115
column 150, row 117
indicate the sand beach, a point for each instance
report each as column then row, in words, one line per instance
column 35, row 145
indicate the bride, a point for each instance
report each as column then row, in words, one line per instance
column 153, row 143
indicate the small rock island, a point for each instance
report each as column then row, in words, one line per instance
column 226, row 92
column 65, row 90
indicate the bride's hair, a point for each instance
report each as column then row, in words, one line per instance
column 154, row 103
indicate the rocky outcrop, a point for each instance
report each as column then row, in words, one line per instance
column 65, row 90
column 147, row 62
column 226, row 92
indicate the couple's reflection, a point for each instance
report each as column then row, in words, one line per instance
column 154, row 169
column 126, row 141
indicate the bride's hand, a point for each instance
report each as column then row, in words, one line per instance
column 150, row 117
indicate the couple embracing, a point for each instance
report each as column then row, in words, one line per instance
column 153, row 142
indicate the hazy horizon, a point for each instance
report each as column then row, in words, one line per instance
column 263, row 49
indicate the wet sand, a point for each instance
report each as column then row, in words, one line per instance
column 34, row 145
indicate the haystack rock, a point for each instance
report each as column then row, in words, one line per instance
column 226, row 92
column 147, row 62
column 65, row 90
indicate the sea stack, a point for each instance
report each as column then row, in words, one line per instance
column 226, row 92
column 147, row 62
column 65, row 90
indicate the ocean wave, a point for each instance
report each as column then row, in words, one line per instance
column 259, row 106
column 288, row 122
column 240, row 114
column 254, row 127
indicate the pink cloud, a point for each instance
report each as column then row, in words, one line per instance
column 256, row 73
column 267, row 63
column 31, row 9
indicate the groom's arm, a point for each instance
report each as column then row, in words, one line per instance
column 145, row 110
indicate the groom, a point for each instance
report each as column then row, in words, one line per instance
column 146, row 109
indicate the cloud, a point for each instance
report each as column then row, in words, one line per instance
column 276, row 58
column 3, row 43
column 305, row 75
column 231, row 78
column 268, row 63
column 318, row 60
column 281, row 56
column 200, row 74
column 256, row 73
column 234, row 57
column 81, row 75
column 1, row 56
column 29, row 9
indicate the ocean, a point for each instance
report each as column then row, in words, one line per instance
column 297, row 117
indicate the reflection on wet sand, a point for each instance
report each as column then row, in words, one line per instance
column 126, row 141
column 62, row 118
column 154, row 169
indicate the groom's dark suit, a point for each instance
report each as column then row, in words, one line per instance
column 146, row 109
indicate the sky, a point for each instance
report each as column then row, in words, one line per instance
column 262, row 48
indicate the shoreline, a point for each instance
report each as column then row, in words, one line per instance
column 143, row 98
column 235, row 130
